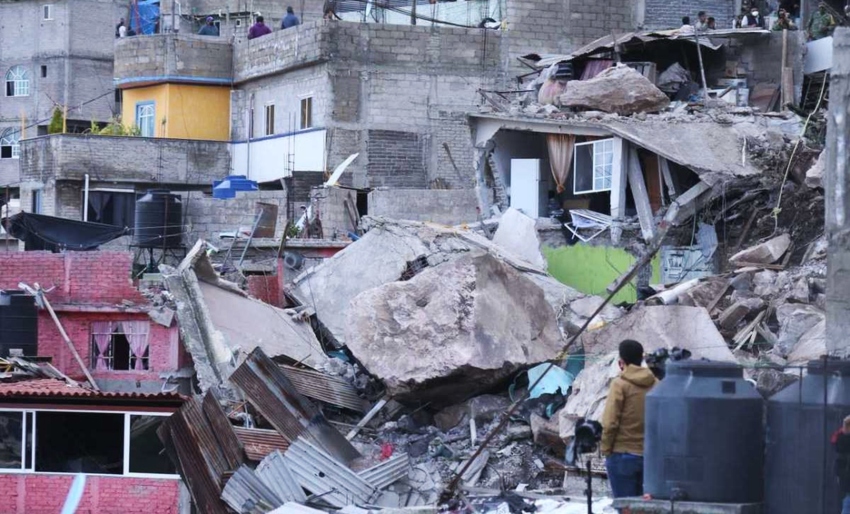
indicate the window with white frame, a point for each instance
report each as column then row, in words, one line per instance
column 593, row 166
column 67, row 441
column 47, row 11
column 17, row 81
column 269, row 119
column 10, row 144
column 120, row 345
column 146, row 118
column 306, row 120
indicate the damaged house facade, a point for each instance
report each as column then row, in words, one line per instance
column 55, row 424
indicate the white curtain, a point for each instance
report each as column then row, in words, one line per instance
column 102, row 333
column 561, row 148
column 136, row 333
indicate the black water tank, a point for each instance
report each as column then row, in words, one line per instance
column 159, row 220
column 704, row 435
column 18, row 324
column 799, row 459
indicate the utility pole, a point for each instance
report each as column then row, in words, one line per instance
column 837, row 189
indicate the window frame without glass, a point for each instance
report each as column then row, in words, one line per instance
column 601, row 169
column 268, row 119
column 305, row 119
column 12, row 140
column 17, row 80
column 117, row 327
column 29, row 437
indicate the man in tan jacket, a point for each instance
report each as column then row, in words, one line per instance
column 623, row 422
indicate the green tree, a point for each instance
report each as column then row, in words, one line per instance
column 56, row 122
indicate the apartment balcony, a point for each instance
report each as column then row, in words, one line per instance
column 182, row 58
column 123, row 159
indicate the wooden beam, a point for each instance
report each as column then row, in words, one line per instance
column 640, row 194
column 664, row 166
column 64, row 335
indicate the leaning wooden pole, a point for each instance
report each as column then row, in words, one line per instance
column 64, row 334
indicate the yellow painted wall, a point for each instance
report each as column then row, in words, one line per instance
column 189, row 111
column 157, row 94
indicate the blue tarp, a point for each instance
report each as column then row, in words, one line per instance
column 144, row 14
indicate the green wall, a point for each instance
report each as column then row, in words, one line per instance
column 591, row 269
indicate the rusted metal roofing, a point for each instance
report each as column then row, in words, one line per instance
column 259, row 442
column 203, row 445
column 322, row 475
column 325, row 388
column 43, row 388
column 291, row 413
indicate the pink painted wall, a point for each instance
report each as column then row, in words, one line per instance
column 45, row 494
column 166, row 352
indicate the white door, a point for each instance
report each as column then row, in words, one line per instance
column 525, row 186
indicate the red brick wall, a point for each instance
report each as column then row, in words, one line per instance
column 101, row 277
column 265, row 288
column 166, row 352
column 45, row 494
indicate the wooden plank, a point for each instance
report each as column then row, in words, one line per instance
column 746, row 231
column 787, row 87
column 664, row 166
column 640, row 194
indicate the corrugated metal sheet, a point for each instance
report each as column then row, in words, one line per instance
column 245, row 493
column 388, row 472
column 275, row 473
column 293, row 415
column 294, row 508
column 325, row 388
column 201, row 441
column 320, row 474
column 259, row 442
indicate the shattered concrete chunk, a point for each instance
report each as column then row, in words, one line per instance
column 619, row 89
column 739, row 310
column 590, row 390
column 453, row 330
column 483, row 409
column 663, row 326
column 810, row 346
column 545, row 432
column 517, row 234
column 765, row 253
column 584, row 308
column 814, row 177
column 796, row 319
column 385, row 252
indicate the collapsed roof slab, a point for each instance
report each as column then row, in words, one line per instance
column 219, row 322
column 715, row 152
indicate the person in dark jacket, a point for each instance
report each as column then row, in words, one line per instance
column 290, row 20
column 623, row 422
column 259, row 29
column 841, row 441
column 209, row 29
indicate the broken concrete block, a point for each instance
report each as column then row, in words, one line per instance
column 162, row 316
column 814, row 177
column 796, row 319
column 800, row 291
column 619, row 89
column 590, row 390
column 765, row 253
column 662, row 326
column 453, row 330
column 483, row 409
column 739, row 310
column 705, row 293
column 584, row 308
column 545, row 432
column 810, row 346
column 517, row 234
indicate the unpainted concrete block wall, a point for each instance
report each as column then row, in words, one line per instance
column 446, row 206
column 760, row 57
column 329, row 203
column 667, row 14
column 207, row 217
column 123, row 159
column 173, row 55
column 397, row 159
